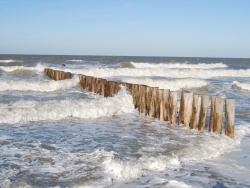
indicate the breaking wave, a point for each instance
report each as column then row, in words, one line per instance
column 8, row 61
column 179, row 65
column 159, row 72
column 28, row 111
column 244, row 86
column 75, row 60
column 173, row 85
column 45, row 86
column 38, row 68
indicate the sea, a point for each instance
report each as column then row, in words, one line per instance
column 55, row 134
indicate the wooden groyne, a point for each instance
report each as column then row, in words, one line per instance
column 162, row 103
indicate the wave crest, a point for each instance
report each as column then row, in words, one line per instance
column 7, row 61
column 38, row 68
column 28, row 111
column 48, row 86
column 244, row 86
column 173, row 85
column 179, row 65
column 159, row 72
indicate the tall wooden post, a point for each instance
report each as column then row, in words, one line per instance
column 164, row 104
column 173, row 106
column 216, row 115
column 186, row 108
column 157, row 104
column 195, row 111
column 203, row 113
column 230, row 116
column 142, row 99
column 181, row 110
column 211, row 122
column 188, row 101
column 152, row 103
column 148, row 100
column 136, row 95
column 129, row 87
column 162, row 101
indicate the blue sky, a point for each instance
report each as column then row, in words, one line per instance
column 196, row 28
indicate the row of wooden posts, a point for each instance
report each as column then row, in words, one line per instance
column 162, row 103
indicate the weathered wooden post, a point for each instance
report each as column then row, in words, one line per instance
column 181, row 109
column 142, row 105
column 167, row 111
column 195, row 111
column 94, row 84
column 88, row 83
column 114, row 88
column 186, row 109
column 152, row 103
column 162, row 101
column 68, row 75
column 230, row 116
column 82, row 80
column 136, row 95
column 164, row 104
column 101, row 86
column 129, row 88
column 148, row 100
column 157, row 104
column 117, row 87
column 173, row 106
column 62, row 75
column 211, row 122
column 216, row 115
column 52, row 74
column 107, row 89
column 203, row 113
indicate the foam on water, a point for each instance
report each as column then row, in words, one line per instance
column 200, row 148
column 173, row 85
column 165, row 73
column 112, row 168
column 74, row 60
column 130, row 72
column 244, row 86
column 179, row 65
column 40, row 86
column 27, row 111
column 8, row 61
column 38, row 68
column 128, row 150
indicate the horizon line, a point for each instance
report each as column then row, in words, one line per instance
column 129, row 56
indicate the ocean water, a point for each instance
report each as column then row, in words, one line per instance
column 55, row 134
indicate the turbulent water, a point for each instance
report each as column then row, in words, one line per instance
column 54, row 134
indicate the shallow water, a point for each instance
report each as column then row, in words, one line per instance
column 54, row 134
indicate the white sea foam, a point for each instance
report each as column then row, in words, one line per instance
column 175, row 184
column 165, row 73
column 244, row 86
column 8, row 61
column 207, row 146
column 212, row 145
column 27, row 111
column 179, row 65
column 41, row 86
column 74, row 60
column 173, row 85
column 38, row 68
column 120, row 170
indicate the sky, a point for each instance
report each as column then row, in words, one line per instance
column 183, row 28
